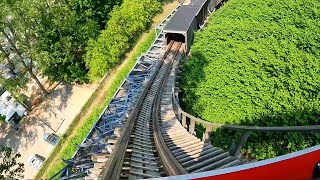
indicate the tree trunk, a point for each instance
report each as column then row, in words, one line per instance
column 29, row 69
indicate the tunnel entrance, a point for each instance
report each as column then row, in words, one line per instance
column 176, row 37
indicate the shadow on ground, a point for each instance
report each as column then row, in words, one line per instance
column 39, row 120
column 23, row 137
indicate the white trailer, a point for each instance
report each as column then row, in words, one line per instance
column 9, row 107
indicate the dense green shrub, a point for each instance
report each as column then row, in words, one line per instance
column 98, row 11
column 127, row 22
column 2, row 118
column 257, row 63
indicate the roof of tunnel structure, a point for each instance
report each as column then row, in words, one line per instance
column 183, row 18
column 198, row 2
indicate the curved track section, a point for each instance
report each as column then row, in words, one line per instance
column 154, row 143
column 192, row 154
column 142, row 158
column 135, row 155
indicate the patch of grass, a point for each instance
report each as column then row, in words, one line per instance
column 71, row 142
column 257, row 63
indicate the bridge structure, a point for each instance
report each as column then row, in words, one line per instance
column 143, row 132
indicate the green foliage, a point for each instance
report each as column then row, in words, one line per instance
column 98, row 11
column 13, row 85
column 257, row 63
column 2, row 118
column 54, row 34
column 9, row 167
column 126, row 24
column 61, row 39
column 70, row 148
column 17, row 28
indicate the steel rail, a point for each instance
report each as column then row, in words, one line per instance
column 116, row 160
column 171, row 165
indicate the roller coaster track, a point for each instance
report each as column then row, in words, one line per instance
column 143, row 132
column 138, row 157
column 154, row 143
column 138, row 135
column 141, row 159
column 109, row 132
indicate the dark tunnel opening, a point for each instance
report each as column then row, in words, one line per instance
column 176, row 37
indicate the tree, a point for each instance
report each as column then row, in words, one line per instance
column 63, row 29
column 13, row 83
column 98, row 11
column 9, row 167
column 19, row 33
column 54, row 34
column 61, row 41
column 22, row 61
column 126, row 24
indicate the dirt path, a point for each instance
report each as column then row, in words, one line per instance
column 101, row 93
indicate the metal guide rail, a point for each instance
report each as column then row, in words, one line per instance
column 142, row 160
column 135, row 154
column 92, row 154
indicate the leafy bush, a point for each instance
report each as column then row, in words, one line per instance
column 93, row 10
column 257, row 63
column 2, row 118
column 127, row 22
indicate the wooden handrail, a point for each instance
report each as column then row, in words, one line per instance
column 307, row 128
